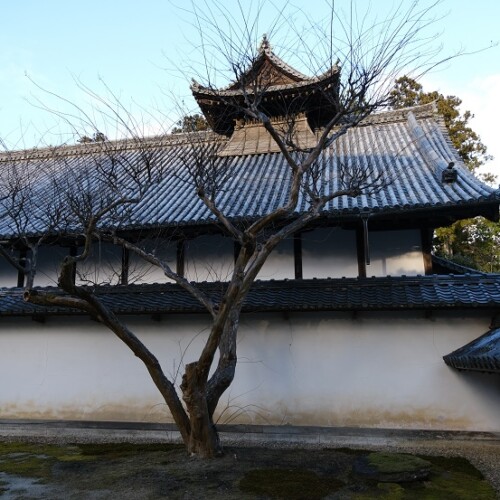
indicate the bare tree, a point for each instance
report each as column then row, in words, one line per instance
column 96, row 188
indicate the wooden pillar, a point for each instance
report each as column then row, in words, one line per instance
column 73, row 250
column 180, row 257
column 125, row 266
column 297, row 255
column 360, row 247
column 426, row 235
column 22, row 261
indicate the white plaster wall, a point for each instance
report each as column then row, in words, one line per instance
column 103, row 267
column 48, row 264
column 395, row 253
column 329, row 253
column 280, row 264
column 382, row 370
column 376, row 371
column 209, row 258
column 141, row 271
column 75, row 369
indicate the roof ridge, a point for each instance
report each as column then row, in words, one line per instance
column 394, row 115
column 117, row 145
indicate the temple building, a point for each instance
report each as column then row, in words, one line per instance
column 350, row 318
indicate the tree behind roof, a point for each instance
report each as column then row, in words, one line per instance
column 191, row 123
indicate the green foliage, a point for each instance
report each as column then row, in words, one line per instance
column 96, row 137
column 475, row 242
column 472, row 243
column 191, row 123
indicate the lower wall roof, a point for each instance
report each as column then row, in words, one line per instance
column 437, row 292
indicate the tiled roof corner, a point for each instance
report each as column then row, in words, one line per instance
column 453, row 267
column 482, row 354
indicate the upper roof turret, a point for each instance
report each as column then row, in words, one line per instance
column 280, row 89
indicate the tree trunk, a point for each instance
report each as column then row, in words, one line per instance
column 203, row 439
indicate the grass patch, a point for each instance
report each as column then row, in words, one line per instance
column 349, row 451
column 453, row 464
column 33, row 460
column 397, row 463
column 35, row 466
column 49, row 450
column 455, row 485
column 293, row 484
column 117, row 450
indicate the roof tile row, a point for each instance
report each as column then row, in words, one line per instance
column 346, row 294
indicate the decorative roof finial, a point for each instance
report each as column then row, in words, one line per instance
column 265, row 46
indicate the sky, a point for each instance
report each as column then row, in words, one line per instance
column 145, row 53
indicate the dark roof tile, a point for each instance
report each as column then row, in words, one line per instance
column 482, row 354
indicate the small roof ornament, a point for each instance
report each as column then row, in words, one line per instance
column 265, row 46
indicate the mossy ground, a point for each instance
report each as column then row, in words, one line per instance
column 289, row 483
column 396, row 462
column 154, row 471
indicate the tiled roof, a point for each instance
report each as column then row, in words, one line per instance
column 293, row 77
column 346, row 294
column 445, row 266
column 482, row 354
column 259, row 183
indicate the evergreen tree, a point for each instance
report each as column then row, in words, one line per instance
column 191, row 123
column 96, row 137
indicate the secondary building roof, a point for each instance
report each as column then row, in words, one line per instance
column 482, row 354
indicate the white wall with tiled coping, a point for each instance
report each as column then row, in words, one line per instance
column 381, row 370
